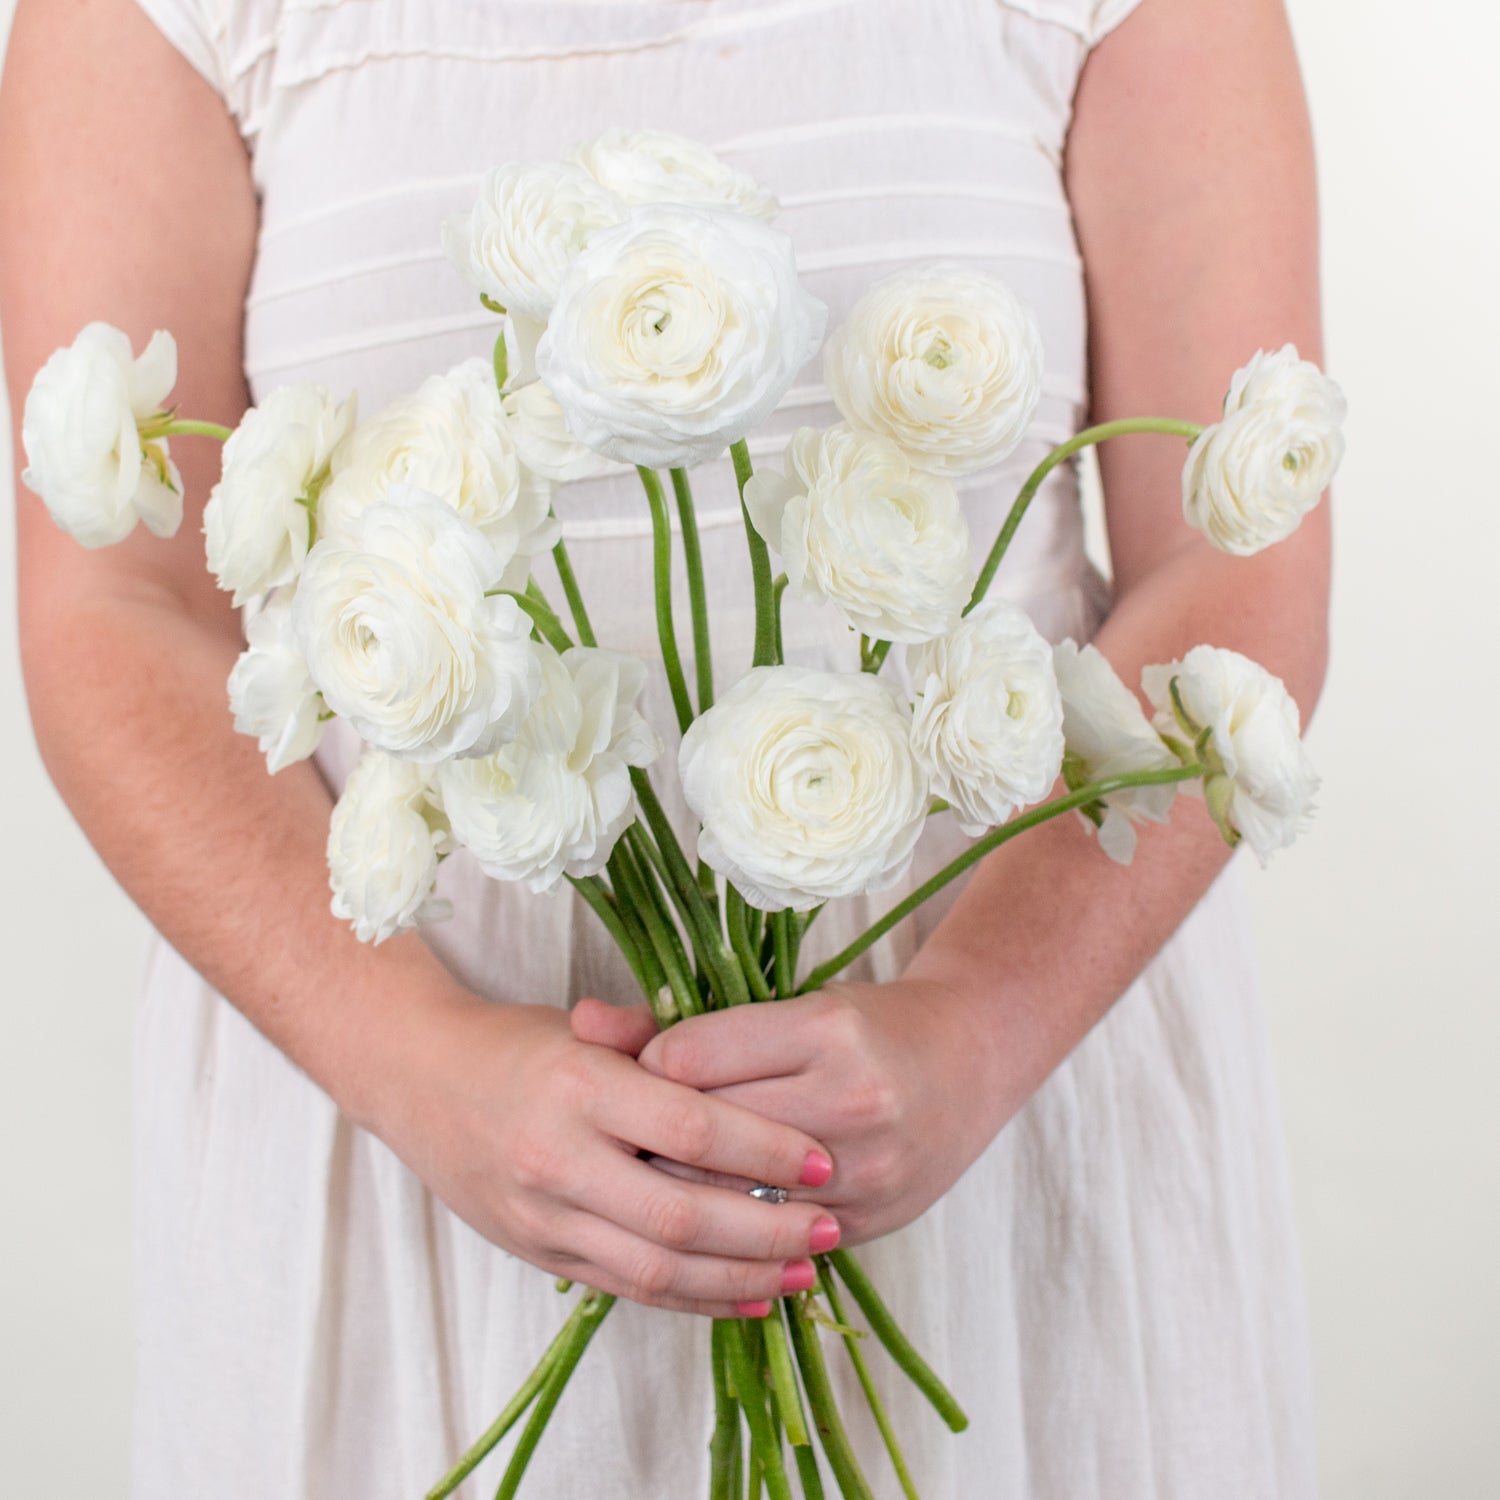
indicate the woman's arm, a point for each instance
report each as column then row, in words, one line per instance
column 1190, row 171
column 128, row 197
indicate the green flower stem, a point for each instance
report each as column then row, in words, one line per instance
column 573, row 594
column 807, row 1472
column 184, row 427
column 1075, row 444
column 825, row 1412
column 638, row 891
column 882, row 649
column 594, row 891
column 778, row 588
column 786, row 961
column 500, row 359
column 744, row 1371
column 977, row 851
column 549, row 627
column 829, row 1288
column 512, row 1413
column 736, row 917
column 723, row 972
column 703, row 658
column 653, row 976
column 897, row 1345
column 724, row 1446
column 760, row 566
column 783, row 1378
column 594, row 1308
column 666, row 632
column 697, row 916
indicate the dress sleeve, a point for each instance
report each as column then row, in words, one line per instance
column 196, row 28
column 1104, row 16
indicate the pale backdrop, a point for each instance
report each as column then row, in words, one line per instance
column 1378, row 933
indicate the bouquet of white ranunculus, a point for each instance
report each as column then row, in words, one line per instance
column 653, row 318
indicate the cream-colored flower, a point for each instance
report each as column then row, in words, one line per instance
column 451, row 438
column 530, row 221
column 403, row 640
column 1260, row 785
column 856, row 525
column 257, row 523
column 676, row 333
column 384, row 842
column 81, row 431
column 987, row 722
column 805, row 785
column 1106, row 734
column 655, row 166
column 271, row 693
column 555, row 801
column 1251, row 477
column 944, row 361
column 542, row 438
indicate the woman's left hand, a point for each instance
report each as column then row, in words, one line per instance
column 903, row 1082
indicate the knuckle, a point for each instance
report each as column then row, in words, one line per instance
column 881, row 1175
column 676, row 1054
column 689, row 1126
column 672, row 1220
column 651, row 1277
column 871, row 1102
column 535, row 1166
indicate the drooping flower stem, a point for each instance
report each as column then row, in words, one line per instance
column 573, row 594
column 760, row 566
column 185, row 427
column 549, row 627
column 661, row 555
column 692, row 553
column 976, row 851
column 744, row 1372
column 1075, row 444
column 824, row 1406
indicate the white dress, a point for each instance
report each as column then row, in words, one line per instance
column 1112, row 1289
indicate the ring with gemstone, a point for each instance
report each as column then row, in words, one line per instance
column 768, row 1194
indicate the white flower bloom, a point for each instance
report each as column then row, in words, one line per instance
column 806, row 786
column 1106, row 734
column 677, row 333
column 859, row 527
column 384, row 843
column 987, row 722
column 84, row 454
column 1261, row 784
column 451, row 438
column 1251, row 477
column 271, row 693
column 542, row 438
column 529, row 223
column 556, row 800
column 401, row 639
column 256, row 524
column 654, row 166
column 942, row 359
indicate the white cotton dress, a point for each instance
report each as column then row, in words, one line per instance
column 1112, row 1289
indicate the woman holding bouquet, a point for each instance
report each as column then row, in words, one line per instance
column 1058, row 1082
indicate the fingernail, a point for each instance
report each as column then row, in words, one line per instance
column 753, row 1309
column 816, row 1170
column 798, row 1276
column 825, row 1235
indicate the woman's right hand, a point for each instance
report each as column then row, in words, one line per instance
column 531, row 1136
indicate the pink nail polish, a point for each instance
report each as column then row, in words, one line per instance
column 798, row 1276
column 753, row 1309
column 816, row 1170
column 825, row 1235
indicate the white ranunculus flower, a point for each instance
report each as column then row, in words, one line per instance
column 987, row 722
column 543, row 440
column 555, row 801
column 886, row 544
column 806, row 786
column 1106, row 734
column 84, row 453
column 1260, row 784
column 401, row 638
column 450, row 438
column 384, row 842
column 271, row 693
column 654, row 166
column 944, row 361
column 530, row 221
column 1251, row 477
column 676, row 333
column 257, row 521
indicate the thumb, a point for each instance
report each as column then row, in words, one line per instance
column 625, row 1028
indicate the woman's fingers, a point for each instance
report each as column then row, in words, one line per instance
column 741, row 1043
column 625, row 1028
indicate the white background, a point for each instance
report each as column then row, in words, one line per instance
column 1378, row 932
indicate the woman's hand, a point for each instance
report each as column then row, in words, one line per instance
column 903, row 1082
column 532, row 1135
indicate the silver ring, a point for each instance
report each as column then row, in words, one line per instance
column 768, row 1194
